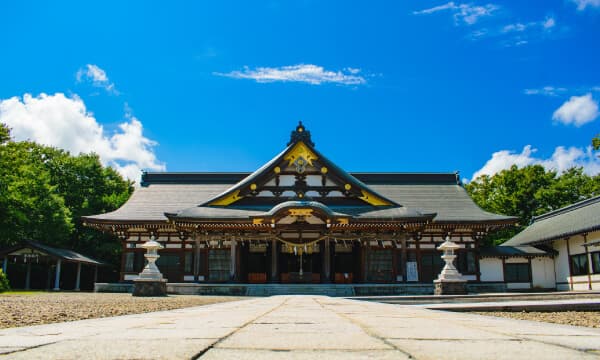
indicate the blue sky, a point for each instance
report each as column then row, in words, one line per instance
column 411, row 86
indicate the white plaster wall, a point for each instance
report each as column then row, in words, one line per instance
column 542, row 273
column 596, row 282
column 561, row 263
column 491, row 269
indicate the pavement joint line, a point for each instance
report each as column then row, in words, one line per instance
column 518, row 337
column 513, row 337
column 220, row 340
column 28, row 348
column 366, row 329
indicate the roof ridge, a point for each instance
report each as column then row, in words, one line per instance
column 568, row 208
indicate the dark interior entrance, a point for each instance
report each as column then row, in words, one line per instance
column 170, row 266
column 431, row 266
column 290, row 265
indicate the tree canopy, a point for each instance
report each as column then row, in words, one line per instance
column 529, row 191
column 44, row 191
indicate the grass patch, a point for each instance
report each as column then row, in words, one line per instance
column 22, row 292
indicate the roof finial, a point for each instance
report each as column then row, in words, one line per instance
column 301, row 134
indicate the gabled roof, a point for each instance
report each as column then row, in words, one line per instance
column 63, row 254
column 300, row 150
column 571, row 220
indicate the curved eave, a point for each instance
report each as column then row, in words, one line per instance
column 92, row 220
column 425, row 219
column 505, row 222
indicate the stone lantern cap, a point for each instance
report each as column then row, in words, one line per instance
column 151, row 245
column 448, row 245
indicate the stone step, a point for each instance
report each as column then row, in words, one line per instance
column 300, row 289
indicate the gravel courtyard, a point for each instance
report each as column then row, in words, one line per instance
column 48, row 307
column 576, row 318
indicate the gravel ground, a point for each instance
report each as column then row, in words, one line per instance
column 45, row 308
column 577, row 318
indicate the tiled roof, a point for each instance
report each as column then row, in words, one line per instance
column 63, row 254
column 425, row 193
column 512, row 251
column 575, row 219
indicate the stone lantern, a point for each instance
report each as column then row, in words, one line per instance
column 450, row 281
column 150, row 282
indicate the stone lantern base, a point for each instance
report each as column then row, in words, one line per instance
column 142, row 287
column 445, row 287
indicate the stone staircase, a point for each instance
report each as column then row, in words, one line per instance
column 300, row 289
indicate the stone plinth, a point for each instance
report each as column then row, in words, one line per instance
column 450, row 287
column 149, row 288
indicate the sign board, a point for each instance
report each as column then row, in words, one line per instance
column 412, row 274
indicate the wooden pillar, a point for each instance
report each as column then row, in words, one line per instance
column 28, row 276
column 5, row 265
column 570, row 264
column 476, row 256
column 326, row 259
column 196, row 257
column 530, row 273
column 403, row 257
column 419, row 261
column 274, row 270
column 78, row 278
column 232, row 262
column 366, row 249
column 589, row 261
column 57, row 275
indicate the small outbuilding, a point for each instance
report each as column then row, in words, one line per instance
column 30, row 253
column 559, row 249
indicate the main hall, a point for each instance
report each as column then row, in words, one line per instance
column 300, row 219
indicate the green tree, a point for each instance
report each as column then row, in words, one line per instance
column 529, row 191
column 4, row 284
column 4, row 133
column 30, row 207
column 44, row 191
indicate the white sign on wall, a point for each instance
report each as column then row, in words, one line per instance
column 412, row 273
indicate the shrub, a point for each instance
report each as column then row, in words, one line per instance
column 4, row 285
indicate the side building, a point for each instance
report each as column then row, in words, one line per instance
column 571, row 235
column 300, row 219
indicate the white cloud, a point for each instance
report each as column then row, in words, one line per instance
column 462, row 13
column 307, row 73
column 546, row 90
column 96, row 76
column 583, row 4
column 64, row 122
column 549, row 23
column 546, row 25
column 550, row 90
column 562, row 159
column 578, row 110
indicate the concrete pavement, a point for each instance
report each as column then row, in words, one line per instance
column 301, row 327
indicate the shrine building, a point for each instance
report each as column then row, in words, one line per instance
column 300, row 219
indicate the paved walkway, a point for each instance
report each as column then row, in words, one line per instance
column 301, row 327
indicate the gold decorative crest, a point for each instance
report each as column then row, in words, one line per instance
column 300, row 151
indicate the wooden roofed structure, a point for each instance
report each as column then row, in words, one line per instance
column 300, row 218
column 30, row 252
